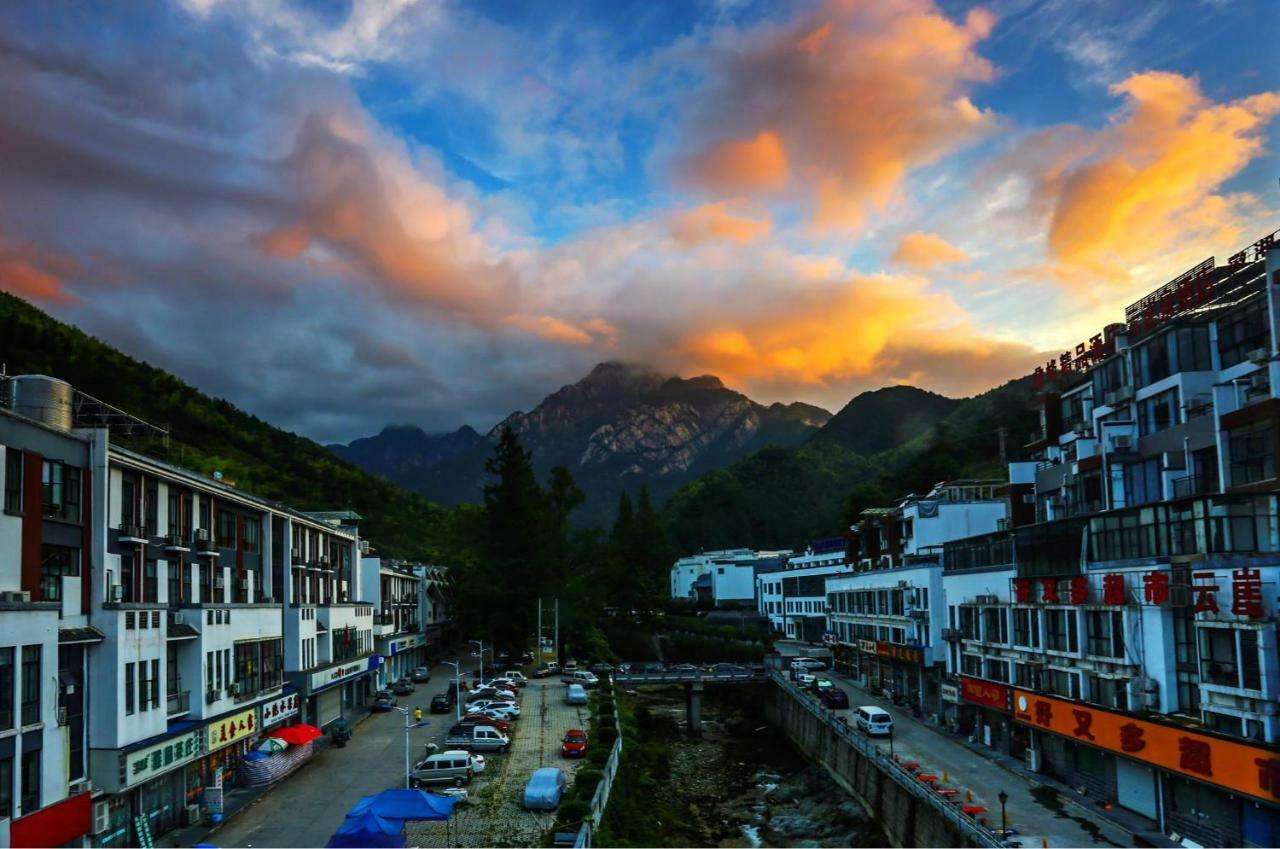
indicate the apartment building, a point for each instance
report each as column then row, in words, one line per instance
column 398, row 624
column 1125, row 641
column 174, row 601
column 686, row 571
column 795, row 598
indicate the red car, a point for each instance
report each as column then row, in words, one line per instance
column 481, row 719
column 574, row 744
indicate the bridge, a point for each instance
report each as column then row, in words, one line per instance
column 694, row 681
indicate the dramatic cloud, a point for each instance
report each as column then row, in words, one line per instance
column 35, row 274
column 714, row 221
column 847, row 101
column 926, row 251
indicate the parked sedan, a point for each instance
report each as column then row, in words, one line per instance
column 574, row 744
column 546, row 670
column 440, row 703
column 491, row 719
column 421, row 675
column 383, row 700
column 545, row 789
column 402, row 687
column 502, row 709
column 835, row 698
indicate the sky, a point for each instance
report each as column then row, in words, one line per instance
column 342, row 214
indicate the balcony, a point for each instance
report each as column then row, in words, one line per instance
column 176, row 541
column 178, row 703
column 1221, row 674
column 1190, row 485
column 131, row 533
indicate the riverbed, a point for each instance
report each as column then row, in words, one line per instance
column 741, row 784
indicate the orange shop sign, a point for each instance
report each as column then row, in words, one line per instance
column 1251, row 770
column 897, row 651
column 986, row 693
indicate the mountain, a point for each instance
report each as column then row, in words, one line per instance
column 882, row 445
column 404, row 453
column 886, row 418
column 621, row 427
column 210, row 433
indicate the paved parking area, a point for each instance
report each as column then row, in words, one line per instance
column 493, row 816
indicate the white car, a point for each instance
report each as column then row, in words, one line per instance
column 458, row 793
column 504, row 710
column 809, row 664
column 805, row 679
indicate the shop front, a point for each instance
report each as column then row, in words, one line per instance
column 1214, row 789
column 949, row 696
column 400, row 656
column 843, row 658
column 227, row 738
column 63, row 823
column 280, row 712
column 984, row 713
column 335, row 692
column 150, row 786
column 901, row 667
column 868, row 666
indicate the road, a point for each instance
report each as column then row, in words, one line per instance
column 308, row 806
column 1038, row 817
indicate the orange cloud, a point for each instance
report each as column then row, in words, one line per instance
column 36, row 274
column 714, row 221
column 926, row 251
column 284, row 242
column 1147, row 187
column 562, row 332
column 748, row 165
column 857, row 94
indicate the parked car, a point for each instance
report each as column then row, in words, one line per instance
column 478, row 737
column 384, row 700
column 502, row 710
column 729, row 669
column 515, row 677
column 576, row 695
column 683, row 668
column 486, row 719
column 421, row 675
column 601, row 668
column 811, row 664
column 402, row 687
column 805, row 679
column 458, row 794
column 821, row 685
column 874, row 721
column 835, row 698
column 492, row 694
column 544, row 789
column 574, row 743
column 452, row 767
column 546, row 670
column 570, row 666
column 441, row 703
column 586, row 679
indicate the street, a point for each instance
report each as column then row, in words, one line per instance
column 305, row 808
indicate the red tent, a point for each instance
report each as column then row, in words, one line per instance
column 296, row 735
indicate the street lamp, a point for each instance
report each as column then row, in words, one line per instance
column 1004, row 819
column 480, row 643
column 418, row 722
column 457, row 687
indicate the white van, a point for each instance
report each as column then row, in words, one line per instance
column 874, row 721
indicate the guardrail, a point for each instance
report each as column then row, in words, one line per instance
column 672, row 676
column 600, row 799
column 978, row 833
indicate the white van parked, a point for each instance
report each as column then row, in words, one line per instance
column 874, row 721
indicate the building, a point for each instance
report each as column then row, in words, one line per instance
column 183, row 612
column 1125, row 640
column 794, row 598
column 414, row 604
column 687, row 570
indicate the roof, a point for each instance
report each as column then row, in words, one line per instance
column 84, row 634
column 181, row 631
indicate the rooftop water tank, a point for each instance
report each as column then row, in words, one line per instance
column 43, row 398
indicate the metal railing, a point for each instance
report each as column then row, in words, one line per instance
column 975, row 831
column 600, row 799
column 675, row 676
column 177, row 703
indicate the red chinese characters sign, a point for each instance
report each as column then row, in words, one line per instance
column 987, row 693
column 907, row 654
column 1251, row 770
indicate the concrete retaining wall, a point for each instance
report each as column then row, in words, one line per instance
column 889, row 794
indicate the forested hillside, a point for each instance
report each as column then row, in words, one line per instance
column 210, row 433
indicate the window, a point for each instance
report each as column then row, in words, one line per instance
column 1158, row 412
column 127, row 575
column 1059, row 682
column 208, row 670
column 998, row 670
column 151, row 586
column 1142, row 482
column 1252, row 453
column 226, row 529
column 1109, row 376
column 128, row 689
column 1105, row 633
column 6, row 688
column 144, row 687
column 60, row 491
column 995, row 625
column 6, row 787
column 251, row 536
column 31, row 781
column 1241, row 332
column 57, row 562
column 152, row 509
column 128, row 501
column 1108, row 692
column 31, row 682
column 12, row 487
column 1061, row 630
column 971, row 664
column 1250, row 668
column 969, row 623
column 1026, row 627
column 155, row 682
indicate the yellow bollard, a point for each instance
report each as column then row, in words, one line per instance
column 946, row 779
column 968, row 795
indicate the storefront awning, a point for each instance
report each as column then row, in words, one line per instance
column 56, row 825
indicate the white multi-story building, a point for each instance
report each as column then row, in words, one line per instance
column 687, row 570
column 794, row 597
column 180, row 603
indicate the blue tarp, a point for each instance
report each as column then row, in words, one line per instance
column 544, row 789
column 404, row 803
column 368, row 830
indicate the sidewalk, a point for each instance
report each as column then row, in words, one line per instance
column 1117, row 826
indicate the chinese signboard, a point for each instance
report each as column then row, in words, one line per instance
column 868, row 646
column 1152, row 588
column 145, row 764
column 906, row 654
column 950, row 693
column 986, row 693
column 404, row 643
column 280, row 709
column 224, row 732
column 336, row 673
column 1251, row 770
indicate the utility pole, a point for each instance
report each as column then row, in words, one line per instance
column 537, row 647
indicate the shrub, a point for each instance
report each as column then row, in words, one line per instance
column 584, row 786
column 572, row 812
column 606, row 735
column 597, row 756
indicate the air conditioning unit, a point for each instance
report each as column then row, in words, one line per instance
column 1122, row 442
column 1033, row 760
column 201, row 535
column 987, row 599
column 212, row 695
column 16, row 596
column 324, row 561
column 1259, row 355
column 80, row 785
column 193, row 814
column 903, row 584
column 115, row 593
column 234, row 689
column 62, row 716
column 218, row 581
column 101, row 817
